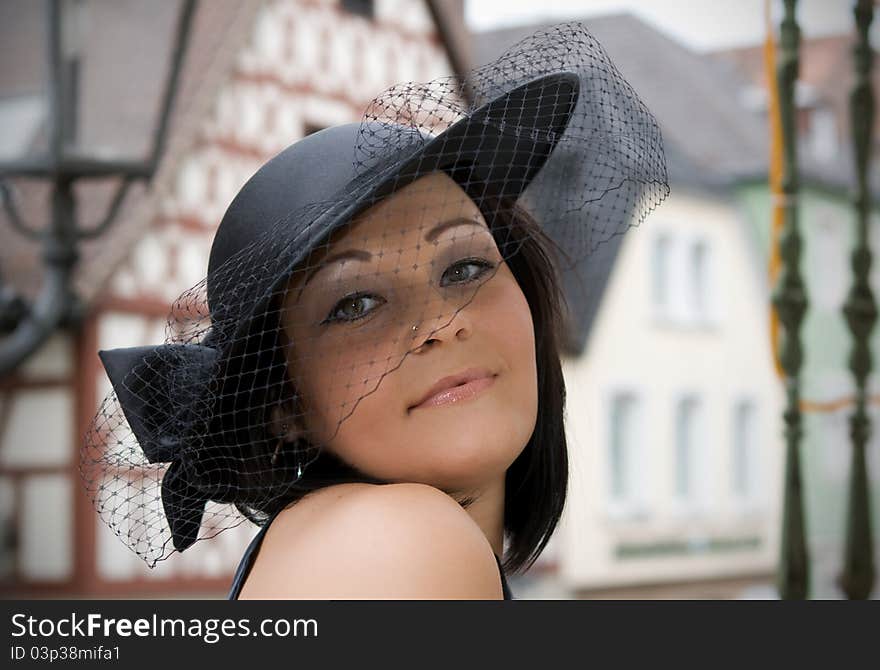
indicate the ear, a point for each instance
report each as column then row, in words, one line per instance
column 285, row 420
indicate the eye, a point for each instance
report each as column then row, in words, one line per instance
column 466, row 270
column 359, row 305
column 353, row 307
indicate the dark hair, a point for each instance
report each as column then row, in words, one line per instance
column 536, row 482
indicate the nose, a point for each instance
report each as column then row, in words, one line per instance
column 456, row 325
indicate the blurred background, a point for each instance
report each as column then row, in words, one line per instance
column 126, row 128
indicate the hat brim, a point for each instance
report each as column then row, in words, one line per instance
column 495, row 151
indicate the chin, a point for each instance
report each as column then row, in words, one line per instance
column 473, row 455
column 477, row 424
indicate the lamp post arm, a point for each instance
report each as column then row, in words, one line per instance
column 41, row 321
column 110, row 216
column 181, row 41
column 12, row 213
column 56, row 301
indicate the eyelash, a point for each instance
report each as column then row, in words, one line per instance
column 332, row 318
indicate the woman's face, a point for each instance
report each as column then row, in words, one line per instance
column 415, row 258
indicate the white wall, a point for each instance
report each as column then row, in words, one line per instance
column 36, row 450
column 660, row 357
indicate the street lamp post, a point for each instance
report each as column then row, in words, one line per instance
column 24, row 328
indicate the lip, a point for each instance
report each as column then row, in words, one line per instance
column 456, row 388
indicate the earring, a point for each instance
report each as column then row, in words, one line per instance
column 280, row 442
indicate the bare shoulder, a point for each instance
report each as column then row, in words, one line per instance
column 393, row 541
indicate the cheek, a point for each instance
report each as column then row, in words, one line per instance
column 341, row 390
column 507, row 318
column 373, row 437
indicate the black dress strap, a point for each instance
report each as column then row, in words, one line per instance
column 250, row 555
column 247, row 560
column 505, row 588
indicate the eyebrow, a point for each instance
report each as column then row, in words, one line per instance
column 361, row 255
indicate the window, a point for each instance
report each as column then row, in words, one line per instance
column 699, row 281
column 745, row 451
column 689, row 478
column 624, row 452
column 826, row 248
column 660, row 272
column 823, row 134
column 681, row 279
column 360, row 7
column 622, row 417
column 872, row 452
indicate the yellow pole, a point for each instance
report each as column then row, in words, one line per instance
column 775, row 176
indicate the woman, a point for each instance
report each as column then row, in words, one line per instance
column 345, row 540
column 371, row 369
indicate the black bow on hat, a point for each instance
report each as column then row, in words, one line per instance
column 145, row 380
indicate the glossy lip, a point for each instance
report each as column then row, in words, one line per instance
column 455, row 388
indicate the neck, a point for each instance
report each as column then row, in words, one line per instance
column 487, row 511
